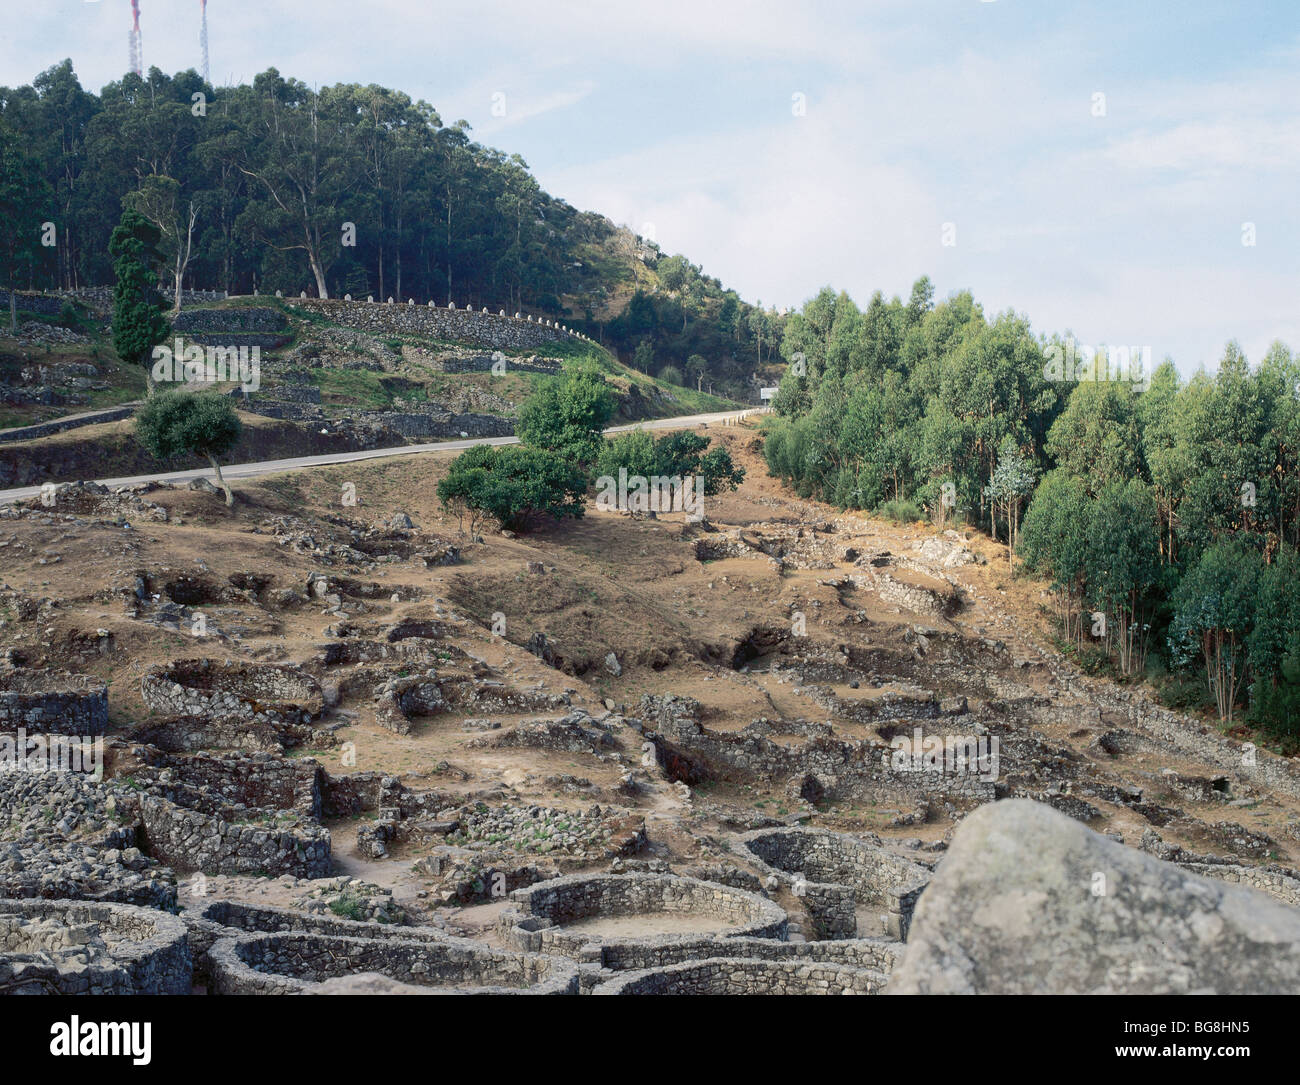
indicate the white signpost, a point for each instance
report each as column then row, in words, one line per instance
column 767, row 394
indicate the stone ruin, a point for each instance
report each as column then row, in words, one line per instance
column 67, row 837
column 260, row 693
column 728, row 976
column 58, row 704
column 237, row 813
column 193, row 734
column 303, row 963
column 596, row 918
column 839, row 877
column 823, row 768
column 68, row 947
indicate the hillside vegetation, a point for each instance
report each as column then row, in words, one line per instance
column 345, row 190
column 1166, row 512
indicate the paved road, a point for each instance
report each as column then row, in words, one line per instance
column 67, row 421
column 270, row 467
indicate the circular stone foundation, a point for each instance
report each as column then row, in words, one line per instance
column 260, row 692
column 848, row 884
column 76, row 947
column 266, row 919
column 731, row 976
column 299, row 963
column 594, row 917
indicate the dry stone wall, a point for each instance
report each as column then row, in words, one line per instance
column 294, row 963
column 43, row 702
column 260, row 693
column 725, row 976
column 834, row 872
column 830, row 768
column 537, row 920
column 877, row 955
column 457, row 325
column 238, row 813
column 188, row 840
column 74, row 947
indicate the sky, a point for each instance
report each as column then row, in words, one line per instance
column 1122, row 172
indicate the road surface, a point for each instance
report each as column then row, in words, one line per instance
column 270, row 467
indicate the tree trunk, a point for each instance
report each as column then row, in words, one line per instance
column 322, row 290
column 230, row 497
column 13, row 310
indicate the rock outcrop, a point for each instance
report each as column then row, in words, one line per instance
column 1028, row 901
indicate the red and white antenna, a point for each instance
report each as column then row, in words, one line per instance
column 203, row 36
column 137, row 53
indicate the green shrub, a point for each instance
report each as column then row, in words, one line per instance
column 513, row 485
column 568, row 416
column 348, row 906
column 670, row 374
column 682, row 454
column 901, row 511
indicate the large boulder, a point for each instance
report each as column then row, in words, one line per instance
column 1028, row 901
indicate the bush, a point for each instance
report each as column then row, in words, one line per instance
column 1184, row 693
column 633, row 451
column 512, row 485
column 901, row 511
column 681, row 454
column 568, row 416
column 68, row 316
column 670, row 374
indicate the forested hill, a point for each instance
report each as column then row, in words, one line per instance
column 255, row 185
column 1164, row 512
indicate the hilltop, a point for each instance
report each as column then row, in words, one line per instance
column 393, row 202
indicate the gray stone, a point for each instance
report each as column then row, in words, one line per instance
column 1028, row 901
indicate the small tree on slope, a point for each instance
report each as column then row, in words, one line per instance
column 176, row 423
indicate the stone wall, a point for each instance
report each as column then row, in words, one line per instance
column 194, row 840
column 101, row 297
column 259, row 781
column 875, row 954
column 45, row 304
column 59, row 425
column 347, row 796
column 725, row 976
column 536, row 921
column 483, row 329
column 421, row 425
column 830, row 767
column 1272, row 882
column 834, row 872
column 265, row 919
column 52, row 703
column 294, row 963
column 268, row 693
column 244, row 319
column 74, row 947
column 237, row 813
column 188, row 734
column 484, row 363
